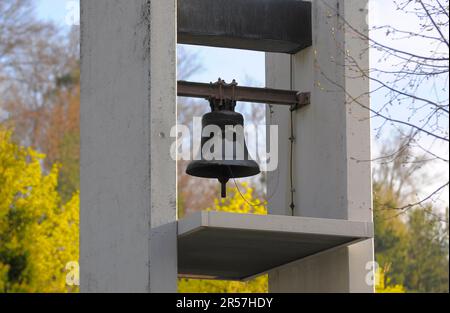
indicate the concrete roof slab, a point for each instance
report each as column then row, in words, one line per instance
column 221, row 245
column 261, row 25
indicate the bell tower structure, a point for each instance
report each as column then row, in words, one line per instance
column 318, row 236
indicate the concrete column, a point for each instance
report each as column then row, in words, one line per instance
column 332, row 136
column 128, row 103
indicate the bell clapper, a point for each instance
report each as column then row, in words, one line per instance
column 223, row 187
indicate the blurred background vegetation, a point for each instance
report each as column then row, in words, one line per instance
column 39, row 175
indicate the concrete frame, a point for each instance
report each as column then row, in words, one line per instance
column 332, row 134
column 128, row 230
column 128, row 106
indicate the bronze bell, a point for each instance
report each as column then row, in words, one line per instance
column 223, row 114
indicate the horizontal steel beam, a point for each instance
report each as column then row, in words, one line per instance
column 243, row 94
column 263, row 25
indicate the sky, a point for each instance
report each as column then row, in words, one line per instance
column 55, row 10
column 240, row 64
column 248, row 67
column 383, row 12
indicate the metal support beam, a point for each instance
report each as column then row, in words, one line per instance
column 262, row 25
column 220, row 90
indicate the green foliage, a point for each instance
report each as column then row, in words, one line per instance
column 412, row 249
column 427, row 269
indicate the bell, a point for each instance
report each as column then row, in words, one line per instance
column 228, row 165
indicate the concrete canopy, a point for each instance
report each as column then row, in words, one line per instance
column 263, row 25
column 229, row 246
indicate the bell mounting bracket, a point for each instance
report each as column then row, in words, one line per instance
column 219, row 102
column 221, row 93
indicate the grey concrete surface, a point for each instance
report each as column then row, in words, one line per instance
column 332, row 137
column 264, row 25
column 128, row 101
column 238, row 246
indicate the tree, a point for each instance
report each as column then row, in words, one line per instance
column 411, row 244
column 33, row 56
column 61, row 140
column 38, row 233
column 39, row 83
column 412, row 253
column 408, row 76
column 390, row 239
column 427, row 269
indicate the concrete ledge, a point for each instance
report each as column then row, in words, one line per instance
column 219, row 245
column 262, row 25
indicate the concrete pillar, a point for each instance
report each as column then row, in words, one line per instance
column 128, row 103
column 332, row 134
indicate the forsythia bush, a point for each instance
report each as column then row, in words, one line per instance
column 385, row 287
column 38, row 234
column 234, row 204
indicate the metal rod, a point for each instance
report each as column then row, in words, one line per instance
column 220, row 90
column 223, row 189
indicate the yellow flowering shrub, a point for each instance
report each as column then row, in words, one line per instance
column 240, row 201
column 382, row 284
column 234, row 203
column 38, row 234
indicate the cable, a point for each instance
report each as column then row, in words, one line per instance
column 291, row 163
column 265, row 203
column 242, row 196
column 248, row 202
column 291, row 158
column 292, row 140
